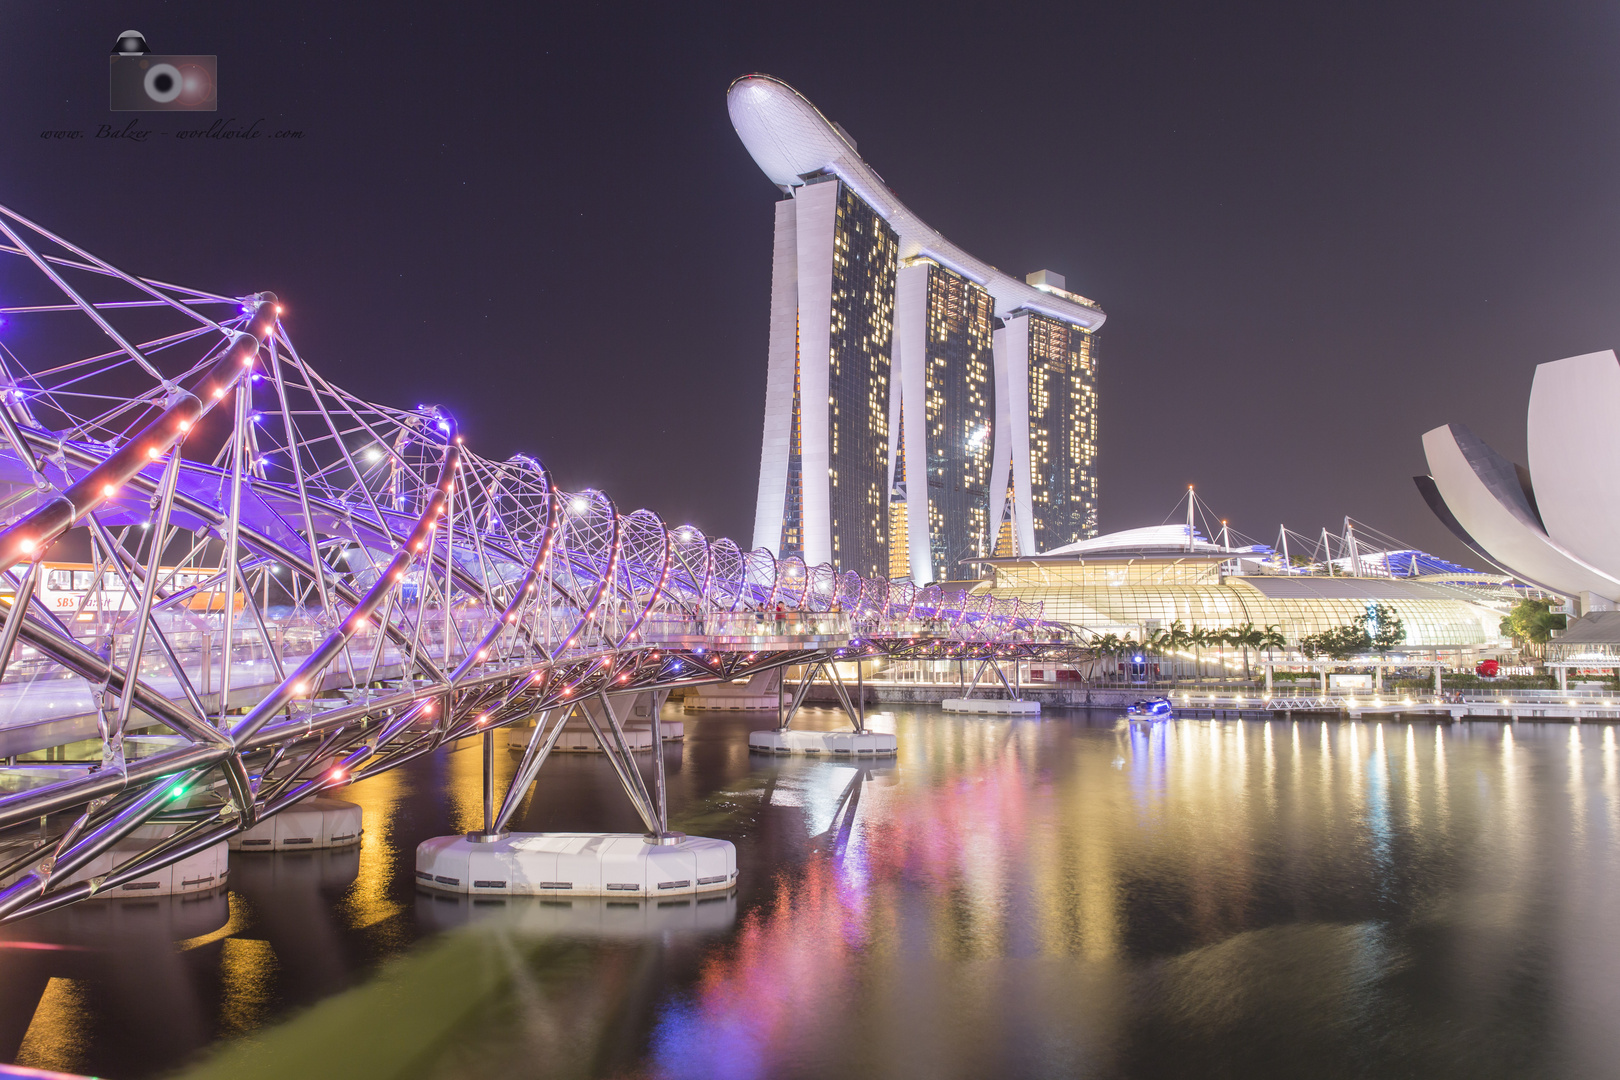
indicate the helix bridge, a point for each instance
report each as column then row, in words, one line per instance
column 244, row 586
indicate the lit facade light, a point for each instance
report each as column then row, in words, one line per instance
column 881, row 328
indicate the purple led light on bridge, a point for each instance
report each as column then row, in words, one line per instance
column 518, row 577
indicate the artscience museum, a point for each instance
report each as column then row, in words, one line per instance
column 1555, row 524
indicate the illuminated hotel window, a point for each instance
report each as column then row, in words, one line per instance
column 1062, row 432
column 960, row 441
column 792, row 542
column 862, row 322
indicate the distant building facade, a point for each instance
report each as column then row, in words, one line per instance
column 945, row 349
column 1140, row 582
column 825, row 472
column 1046, row 418
column 922, row 407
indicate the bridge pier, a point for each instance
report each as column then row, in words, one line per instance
column 489, row 782
column 200, row 872
column 860, row 742
column 1011, row 705
column 659, row 862
column 319, row 822
column 762, row 692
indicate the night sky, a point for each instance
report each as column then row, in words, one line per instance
column 1318, row 230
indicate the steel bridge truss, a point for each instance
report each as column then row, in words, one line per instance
column 295, row 589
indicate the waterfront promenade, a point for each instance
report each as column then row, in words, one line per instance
column 1575, row 704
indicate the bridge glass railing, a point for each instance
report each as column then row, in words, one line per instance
column 978, row 628
column 664, row 626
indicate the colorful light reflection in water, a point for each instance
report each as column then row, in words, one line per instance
column 1051, row 898
column 1067, row 896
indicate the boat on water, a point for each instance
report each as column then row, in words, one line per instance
column 1151, row 709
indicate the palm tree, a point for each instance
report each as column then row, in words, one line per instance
column 1215, row 640
column 1271, row 638
column 1198, row 637
column 1223, row 638
column 1248, row 635
column 1127, row 647
column 1157, row 642
column 1107, row 645
column 1175, row 638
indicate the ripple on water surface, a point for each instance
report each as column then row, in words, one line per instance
column 1067, row 896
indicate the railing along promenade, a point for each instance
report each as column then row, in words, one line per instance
column 1574, row 704
column 389, row 590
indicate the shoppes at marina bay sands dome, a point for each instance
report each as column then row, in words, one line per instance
column 1140, row 582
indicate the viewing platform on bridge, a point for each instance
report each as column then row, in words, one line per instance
column 750, row 631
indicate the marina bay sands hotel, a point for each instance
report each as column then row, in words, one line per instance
column 922, row 407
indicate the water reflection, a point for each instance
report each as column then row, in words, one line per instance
column 1575, row 785
column 1072, row 895
column 580, row 916
column 1273, row 925
column 298, row 936
column 74, row 981
column 1611, row 783
column 383, row 804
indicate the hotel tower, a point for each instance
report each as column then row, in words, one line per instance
column 922, row 408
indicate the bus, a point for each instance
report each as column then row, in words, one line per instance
column 72, row 589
